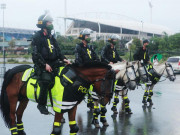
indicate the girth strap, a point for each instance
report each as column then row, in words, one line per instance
column 35, row 91
column 50, row 96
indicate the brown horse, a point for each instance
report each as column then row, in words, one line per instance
column 14, row 91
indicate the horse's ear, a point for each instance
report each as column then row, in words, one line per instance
column 127, row 63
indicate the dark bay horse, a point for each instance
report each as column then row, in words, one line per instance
column 14, row 91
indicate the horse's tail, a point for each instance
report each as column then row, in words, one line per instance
column 4, row 102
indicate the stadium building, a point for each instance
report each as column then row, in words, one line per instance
column 127, row 30
column 15, row 33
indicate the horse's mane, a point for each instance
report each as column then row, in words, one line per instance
column 94, row 64
column 160, row 64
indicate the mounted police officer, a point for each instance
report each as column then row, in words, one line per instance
column 109, row 53
column 47, row 58
column 142, row 54
column 84, row 52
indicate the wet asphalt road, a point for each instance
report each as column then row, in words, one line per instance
column 163, row 118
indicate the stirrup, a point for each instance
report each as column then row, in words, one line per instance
column 43, row 109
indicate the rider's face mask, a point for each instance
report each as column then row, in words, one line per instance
column 114, row 42
column 87, row 38
column 49, row 27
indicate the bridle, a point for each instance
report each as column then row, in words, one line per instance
column 138, row 70
column 126, row 73
column 168, row 74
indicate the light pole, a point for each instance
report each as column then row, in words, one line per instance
column 151, row 6
column 3, row 6
column 99, row 30
column 65, row 16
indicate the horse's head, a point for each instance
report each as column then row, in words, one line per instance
column 141, row 72
column 102, row 77
column 105, row 87
column 129, row 76
column 169, row 72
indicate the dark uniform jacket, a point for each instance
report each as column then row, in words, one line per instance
column 85, row 54
column 141, row 54
column 109, row 54
column 45, row 50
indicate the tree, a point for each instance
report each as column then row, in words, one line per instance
column 12, row 43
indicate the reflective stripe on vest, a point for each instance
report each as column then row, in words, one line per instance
column 113, row 54
column 89, row 53
column 49, row 44
column 144, row 55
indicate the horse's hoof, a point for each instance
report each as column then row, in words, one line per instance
column 113, row 108
column 144, row 102
column 63, row 120
column 121, row 113
column 129, row 112
column 105, row 124
column 150, row 101
column 115, row 112
column 95, row 121
column 97, row 125
column 21, row 132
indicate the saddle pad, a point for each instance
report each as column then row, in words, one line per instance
column 64, row 97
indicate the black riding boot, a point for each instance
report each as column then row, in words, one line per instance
column 42, row 101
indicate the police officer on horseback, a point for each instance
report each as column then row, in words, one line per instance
column 109, row 53
column 83, row 51
column 142, row 54
column 47, row 57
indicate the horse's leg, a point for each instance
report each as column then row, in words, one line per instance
column 122, row 108
column 126, row 101
column 57, row 124
column 95, row 114
column 116, row 101
column 72, row 122
column 13, row 99
column 150, row 95
column 90, row 103
column 145, row 94
column 22, row 106
column 103, row 115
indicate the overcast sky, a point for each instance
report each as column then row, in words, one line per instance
column 24, row 13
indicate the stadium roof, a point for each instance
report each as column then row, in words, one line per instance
column 16, row 30
column 132, row 25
